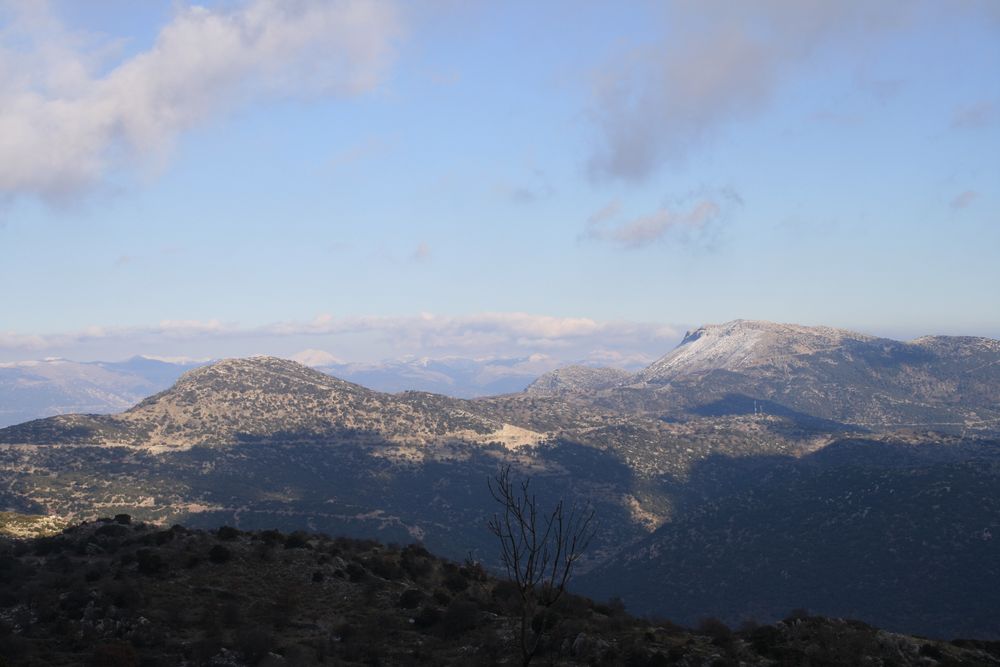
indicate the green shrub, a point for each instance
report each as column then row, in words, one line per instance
column 219, row 554
column 427, row 617
column 150, row 562
column 416, row 562
column 441, row 597
column 455, row 581
column 297, row 540
column 227, row 533
column 112, row 530
column 161, row 537
column 720, row 633
column 411, row 598
column 459, row 617
column 355, row 572
column 271, row 536
column 385, row 567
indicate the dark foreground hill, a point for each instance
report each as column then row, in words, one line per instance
column 119, row 594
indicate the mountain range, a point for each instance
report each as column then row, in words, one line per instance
column 755, row 468
column 49, row 387
column 34, row 389
column 938, row 382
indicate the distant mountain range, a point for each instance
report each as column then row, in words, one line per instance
column 33, row 389
column 755, row 467
column 264, row 399
column 451, row 376
column 48, row 387
column 741, row 367
column 939, row 382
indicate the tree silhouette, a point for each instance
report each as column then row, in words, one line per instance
column 539, row 551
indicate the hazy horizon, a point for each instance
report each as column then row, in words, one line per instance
column 618, row 344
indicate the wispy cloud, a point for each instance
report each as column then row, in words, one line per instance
column 536, row 189
column 67, row 118
column 363, row 150
column 172, row 329
column 604, row 214
column 693, row 222
column 882, row 90
column 715, row 61
column 963, row 199
column 422, row 253
column 974, row 116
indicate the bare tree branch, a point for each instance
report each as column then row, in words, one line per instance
column 539, row 555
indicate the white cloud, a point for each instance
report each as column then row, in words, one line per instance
column 176, row 359
column 14, row 341
column 190, row 327
column 483, row 335
column 65, row 121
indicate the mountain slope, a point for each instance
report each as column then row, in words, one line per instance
column 263, row 442
column 266, row 398
column 934, row 382
column 577, row 379
column 900, row 535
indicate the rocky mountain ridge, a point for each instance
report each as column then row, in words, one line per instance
column 937, row 382
column 41, row 388
column 742, row 344
column 578, row 379
column 265, row 442
column 740, row 367
column 258, row 398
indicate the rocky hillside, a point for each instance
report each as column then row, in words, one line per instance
column 577, row 379
column 685, row 466
column 266, row 398
column 902, row 535
column 120, row 593
column 940, row 382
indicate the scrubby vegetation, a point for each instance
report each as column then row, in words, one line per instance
column 120, row 593
column 28, row 525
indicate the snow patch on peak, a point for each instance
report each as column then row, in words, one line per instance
column 314, row 358
column 742, row 344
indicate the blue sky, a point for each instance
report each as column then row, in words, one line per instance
column 580, row 180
